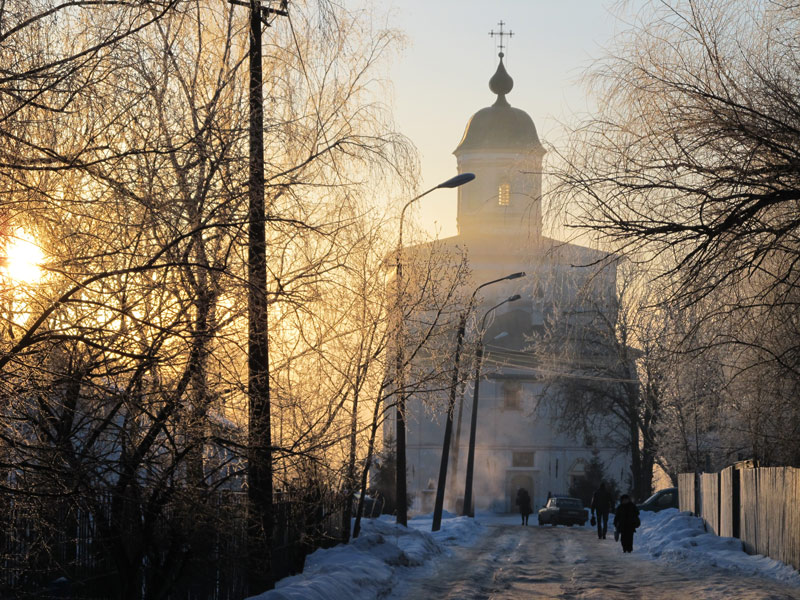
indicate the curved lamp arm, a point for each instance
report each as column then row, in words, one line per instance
column 453, row 182
column 513, row 298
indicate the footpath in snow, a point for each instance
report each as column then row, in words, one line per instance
column 386, row 557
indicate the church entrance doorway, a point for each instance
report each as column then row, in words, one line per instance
column 514, row 481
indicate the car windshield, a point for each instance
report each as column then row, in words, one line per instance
column 651, row 498
column 570, row 503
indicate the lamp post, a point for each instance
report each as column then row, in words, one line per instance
column 400, row 463
column 448, row 426
column 468, row 508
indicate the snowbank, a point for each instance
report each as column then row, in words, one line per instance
column 677, row 536
column 368, row 566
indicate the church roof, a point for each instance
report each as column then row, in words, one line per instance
column 488, row 246
column 500, row 126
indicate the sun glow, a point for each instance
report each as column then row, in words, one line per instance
column 23, row 258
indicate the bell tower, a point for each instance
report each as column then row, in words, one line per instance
column 501, row 146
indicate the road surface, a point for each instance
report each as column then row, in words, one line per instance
column 514, row 562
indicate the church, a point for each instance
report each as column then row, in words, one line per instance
column 500, row 229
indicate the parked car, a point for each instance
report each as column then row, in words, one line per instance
column 666, row 498
column 561, row 510
column 373, row 507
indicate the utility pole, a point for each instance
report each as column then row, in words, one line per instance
column 469, row 508
column 399, row 383
column 448, row 428
column 259, row 438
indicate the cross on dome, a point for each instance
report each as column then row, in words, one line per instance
column 500, row 127
column 501, row 82
column 501, row 34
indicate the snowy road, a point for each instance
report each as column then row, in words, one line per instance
column 559, row 562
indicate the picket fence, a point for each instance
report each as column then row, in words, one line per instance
column 760, row 506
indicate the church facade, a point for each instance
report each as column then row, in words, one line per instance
column 500, row 228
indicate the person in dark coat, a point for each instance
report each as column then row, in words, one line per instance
column 524, row 503
column 601, row 505
column 626, row 520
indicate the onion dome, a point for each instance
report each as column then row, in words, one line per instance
column 500, row 127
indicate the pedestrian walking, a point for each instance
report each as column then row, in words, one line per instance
column 524, row 503
column 601, row 505
column 626, row 520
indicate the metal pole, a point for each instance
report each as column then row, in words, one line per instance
column 456, row 445
column 448, row 429
column 401, row 489
column 468, row 509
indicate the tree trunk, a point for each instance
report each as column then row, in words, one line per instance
column 350, row 478
column 368, row 463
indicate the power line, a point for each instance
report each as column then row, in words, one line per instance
column 527, row 362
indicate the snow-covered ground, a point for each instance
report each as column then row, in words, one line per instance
column 492, row 556
column 679, row 538
column 378, row 561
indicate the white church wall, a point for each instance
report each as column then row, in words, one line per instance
column 479, row 205
column 501, row 433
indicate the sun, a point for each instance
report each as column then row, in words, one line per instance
column 23, row 258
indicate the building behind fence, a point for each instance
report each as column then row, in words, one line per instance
column 759, row 505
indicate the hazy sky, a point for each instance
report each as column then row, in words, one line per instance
column 441, row 78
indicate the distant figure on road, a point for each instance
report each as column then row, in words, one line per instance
column 626, row 520
column 601, row 505
column 524, row 503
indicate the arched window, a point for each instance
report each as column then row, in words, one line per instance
column 504, row 194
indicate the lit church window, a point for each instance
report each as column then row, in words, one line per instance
column 504, row 194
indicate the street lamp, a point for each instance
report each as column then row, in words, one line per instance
column 468, row 508
column 448, row 427
column 400, row 463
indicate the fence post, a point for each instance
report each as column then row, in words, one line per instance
column 736, row 502
column 718, row 527
column 697, row 497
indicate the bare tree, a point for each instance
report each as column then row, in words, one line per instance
column 692, row 430
column 692, row 153
column 603, row 371
column 689, row 164
column 125, row 371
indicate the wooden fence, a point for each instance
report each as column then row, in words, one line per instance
column 729, row 502
column 709, row 500
column 687, row 482
column 761, row 506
